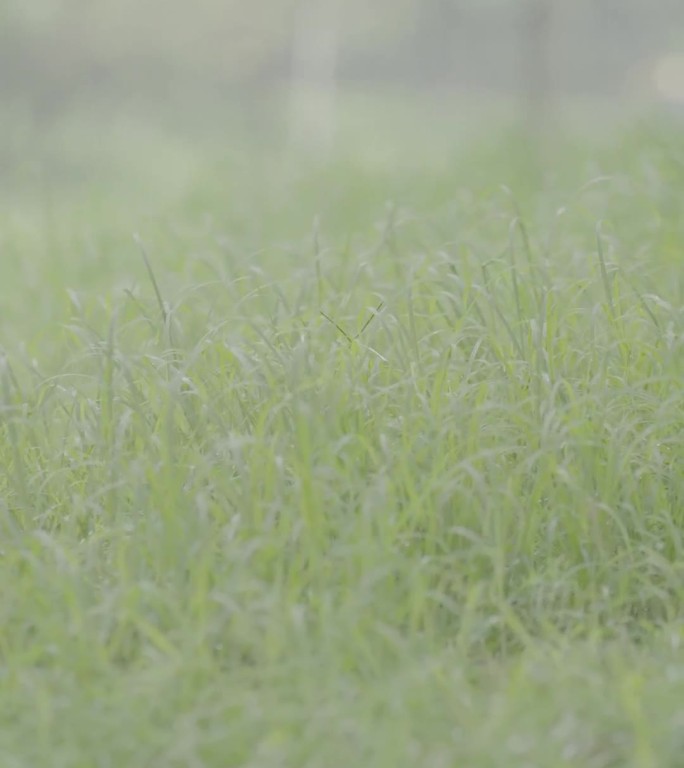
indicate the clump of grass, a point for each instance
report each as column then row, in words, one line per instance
column 409, row 501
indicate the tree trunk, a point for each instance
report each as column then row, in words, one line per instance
column 537, row 85
column 313, row 83
column 536, row 63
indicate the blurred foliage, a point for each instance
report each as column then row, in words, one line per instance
column 232, row 38
column 63, row 41
column 54, row 51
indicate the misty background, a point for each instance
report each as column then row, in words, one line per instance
column 151, row 103
column 168, row 54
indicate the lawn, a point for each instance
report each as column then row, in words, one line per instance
column 372, row 463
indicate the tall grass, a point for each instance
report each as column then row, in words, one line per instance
column 407, row 491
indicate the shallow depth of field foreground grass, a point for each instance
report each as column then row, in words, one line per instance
column 405, row 491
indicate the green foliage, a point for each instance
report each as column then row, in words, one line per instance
column 406, row 490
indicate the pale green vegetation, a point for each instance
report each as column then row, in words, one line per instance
column 443, row 526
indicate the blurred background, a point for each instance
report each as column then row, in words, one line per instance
column 243, row 132
column 234, row 54
column 154, row 106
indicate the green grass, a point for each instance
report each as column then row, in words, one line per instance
column 403, row 488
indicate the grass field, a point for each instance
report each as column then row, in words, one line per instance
column 372, row 464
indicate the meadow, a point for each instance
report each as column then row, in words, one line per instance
column 372, row 462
